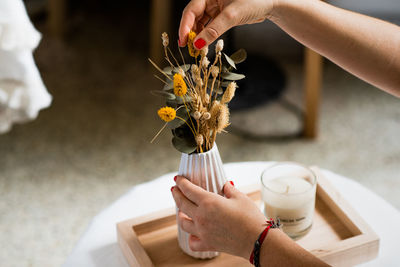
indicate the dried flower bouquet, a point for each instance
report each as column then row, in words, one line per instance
column 197, row 95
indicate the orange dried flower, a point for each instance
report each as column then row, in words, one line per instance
column 192, row 51
column 167, row 114
column 180, row 87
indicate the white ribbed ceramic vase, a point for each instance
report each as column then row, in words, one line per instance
column 205, row 170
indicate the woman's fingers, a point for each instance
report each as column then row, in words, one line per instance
column 191, row 191
column 220, row 24
column 183, row 204
column 202, row 22
column 230, row 190
column 186, row 223
column 195, row 9
column 197, row 244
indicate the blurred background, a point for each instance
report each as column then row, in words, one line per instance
column 92, row 144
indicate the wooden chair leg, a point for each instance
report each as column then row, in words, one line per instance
column 160, row 21
column 312, row 86
column 57, row 14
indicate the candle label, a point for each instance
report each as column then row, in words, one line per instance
column 290, row 197
column 291, row 220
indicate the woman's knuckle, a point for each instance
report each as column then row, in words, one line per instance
column 230, row 14
column 212, row 33
column 207, row 203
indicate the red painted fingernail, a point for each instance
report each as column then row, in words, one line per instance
column 200, row 43
column 232, row 183
column 172, row 188
column 175, row 178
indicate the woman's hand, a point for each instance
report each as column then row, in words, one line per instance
column 228, row 224
column 211, row 18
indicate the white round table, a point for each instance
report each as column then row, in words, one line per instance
column 98, row 246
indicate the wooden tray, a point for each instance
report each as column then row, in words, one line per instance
column 339, row 236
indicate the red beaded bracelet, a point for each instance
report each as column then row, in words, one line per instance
column 255, row 254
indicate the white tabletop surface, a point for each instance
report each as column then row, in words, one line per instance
column 98, row 246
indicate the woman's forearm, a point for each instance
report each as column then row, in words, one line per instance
column 279, row 250
column 367, row 47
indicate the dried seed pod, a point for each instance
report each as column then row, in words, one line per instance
column 206, row 116
column 219, row 46
column 214, row 71
column 219, row 117
column 182, row 72
column 199, row 139
column 229, row 93
column 199, row 81
column 204, row 51
column 195, row 72
column 196, row 115
column 165, row 39
column 205, row 62
column 196, row 102
column 207, row 98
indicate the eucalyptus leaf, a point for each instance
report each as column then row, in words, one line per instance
column 182, row 113
column 217, row 84
column 220, row 91
column 168, row 70
column 168, row 86
column 232, row 76
column 185, row 67
column 224, row 69
column 182, row 132
column 172, row 70
column 225, row 83
column 184, row 145
column 164, row 94
column 172, row 104
column 230, row 61
column 239, row 56
column 179, row 100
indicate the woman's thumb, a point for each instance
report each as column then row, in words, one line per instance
column 220, row 24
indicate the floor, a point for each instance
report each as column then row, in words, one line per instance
column 92, row 145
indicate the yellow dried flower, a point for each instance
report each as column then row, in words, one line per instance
column 229, row 93
column 180, row 87
column 192, row 51
column 167, row 114
column 219, row 117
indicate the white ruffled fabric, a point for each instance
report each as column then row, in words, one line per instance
column 22, row 92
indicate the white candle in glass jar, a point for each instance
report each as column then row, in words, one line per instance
column 290, row 198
